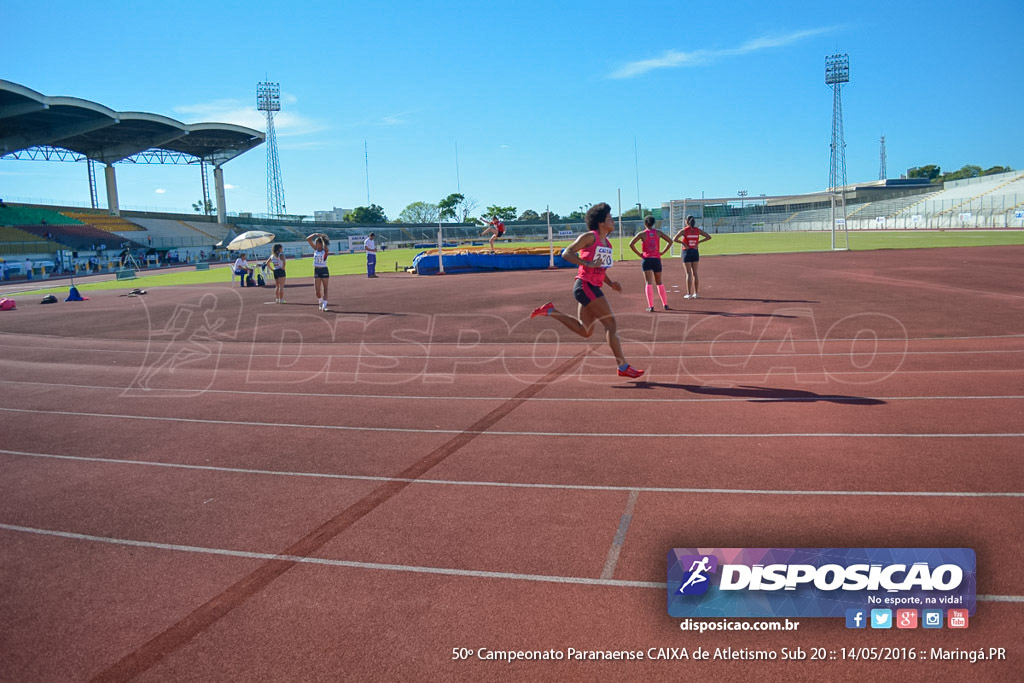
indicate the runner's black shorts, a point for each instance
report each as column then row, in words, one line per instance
column 652, row 263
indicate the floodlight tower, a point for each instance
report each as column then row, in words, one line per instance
column 881, row 161
column 268, row 99
column 837, row 72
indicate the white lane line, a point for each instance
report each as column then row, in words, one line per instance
column 838, row 398
column 527, row 377
column 620, row 536
column 444, row 571
column 336, row 563
column 613, row 435
column 516, row 485
column 504, row 356
column 610, row 435
column 432, row 343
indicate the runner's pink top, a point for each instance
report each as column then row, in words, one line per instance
column 595, row 276
column 651, row 243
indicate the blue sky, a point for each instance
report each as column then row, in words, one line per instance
column 548, row 104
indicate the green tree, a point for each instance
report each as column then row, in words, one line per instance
column 550, row 214
column 966, row 171
column 503, row 213
column 419, row 212
column 204, row 206
column 367, row 214
column 457, row 207
column 575, row 216
column 931, row 172
column 996, row 169
column 448, row 207
column 529, row 215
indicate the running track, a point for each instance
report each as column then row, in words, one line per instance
column 199, row 486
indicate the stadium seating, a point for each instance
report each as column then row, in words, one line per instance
column 16, row 241
column 172, row 233
column 79, row 237
column 102, row 221
column 18, row 214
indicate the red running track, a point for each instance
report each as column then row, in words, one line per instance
column 196, row 485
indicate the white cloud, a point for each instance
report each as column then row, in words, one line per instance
column 675, row 58
column 398, row 119
column 160, row 190
column 229, row 186
column 286, row 123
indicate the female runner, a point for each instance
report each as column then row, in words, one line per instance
column 592, row 252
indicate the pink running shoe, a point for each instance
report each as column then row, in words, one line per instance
column 543, row 310
column 630, row 371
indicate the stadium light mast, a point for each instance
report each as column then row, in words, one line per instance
column 268, row 99
column 837, row 72
column 881, row 162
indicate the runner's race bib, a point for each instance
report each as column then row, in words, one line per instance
column 604, row 255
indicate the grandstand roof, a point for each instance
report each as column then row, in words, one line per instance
column 29, row 119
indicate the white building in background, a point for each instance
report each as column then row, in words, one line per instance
column 336, row 215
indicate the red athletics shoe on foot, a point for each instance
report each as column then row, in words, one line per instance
column 630, row 371
column 543, row 310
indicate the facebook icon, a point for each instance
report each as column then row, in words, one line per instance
column 856, row 618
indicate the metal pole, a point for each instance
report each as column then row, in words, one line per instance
column 620, row 223
column 440, row 248
column 551, row 241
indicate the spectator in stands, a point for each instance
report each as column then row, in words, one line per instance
column 242, row 269
column 28, row 269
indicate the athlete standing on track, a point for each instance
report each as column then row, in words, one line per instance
column 320, row 272
column 690, row 237
column 276, row 261
column 651, row 255
column 592, row 252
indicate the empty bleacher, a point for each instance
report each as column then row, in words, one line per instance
column 78, row 237
column 167, row 233
column 102, row 220
column 17, row 241
column 19, row 214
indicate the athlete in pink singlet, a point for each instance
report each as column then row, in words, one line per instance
column 651, row 239
column 592, row 252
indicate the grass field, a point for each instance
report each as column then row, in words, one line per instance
column 743, row 243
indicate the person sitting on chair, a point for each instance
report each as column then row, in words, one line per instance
column 242, row 268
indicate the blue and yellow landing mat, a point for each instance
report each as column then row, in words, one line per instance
column 482, row 260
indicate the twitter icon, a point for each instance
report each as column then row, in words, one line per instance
column 881, row 618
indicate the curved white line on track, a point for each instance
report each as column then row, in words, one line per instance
column 613, row 435
column 517, row 485
column 834, row 398
column 445, row 571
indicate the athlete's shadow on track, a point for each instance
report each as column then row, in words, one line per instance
column 725, row 314
column 332, row 311
column 760, row 301
column 759, row 394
